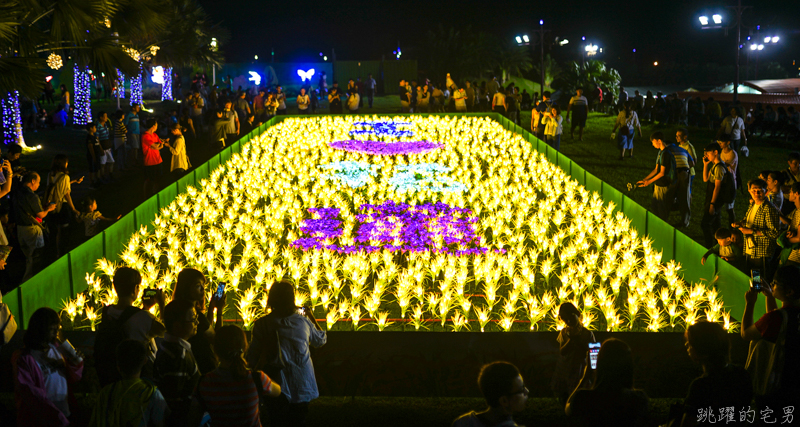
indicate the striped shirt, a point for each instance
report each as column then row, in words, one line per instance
column 103, row 131
column 230, row 401
column 578, row 100
column 119, row 129
column 682, row 157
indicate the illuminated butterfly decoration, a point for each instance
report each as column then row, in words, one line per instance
column 305, row 75
column 158, row 75
column 255, row 77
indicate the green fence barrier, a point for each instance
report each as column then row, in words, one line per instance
column 83, row 259
column 635, row 212
column 65, row 277
column 663, row 235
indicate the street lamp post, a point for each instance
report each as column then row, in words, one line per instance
column 717, row 23
column 214, row 66
column 524, row 40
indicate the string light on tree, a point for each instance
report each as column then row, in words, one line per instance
column 133, row 53
column 166, row 88
column 12, row 120
column 83, row 102
column 54, row 61
column 154, row 50
column 120, row 84
column 136, row 87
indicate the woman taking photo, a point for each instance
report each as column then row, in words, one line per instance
column 43, row 371
column 296, row 330
column 612, row 400
column 191, row 286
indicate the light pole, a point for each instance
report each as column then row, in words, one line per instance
column 524, row 40
column 716, row 22
column 214, row 66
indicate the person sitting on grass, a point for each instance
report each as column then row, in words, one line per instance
column 176, row 371
column 722, row 385
column 728, row 247
column 612, row 400
column 131, row 401
column 573, row 341
column 92, row 218
column 504, row 390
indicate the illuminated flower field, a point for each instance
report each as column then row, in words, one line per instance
column 475, row 231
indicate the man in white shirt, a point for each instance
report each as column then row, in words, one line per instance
column 303, row 101
column 733, row 125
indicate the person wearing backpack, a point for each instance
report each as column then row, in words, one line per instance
column 760, row 229
column 776, row 335
column 714, row 173
column 125, row 321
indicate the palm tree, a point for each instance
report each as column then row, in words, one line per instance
column 514, row 60
column 551, row 70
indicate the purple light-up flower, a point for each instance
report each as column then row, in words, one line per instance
column 381, row 148
column 436, row 227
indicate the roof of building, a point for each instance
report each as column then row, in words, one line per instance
column 781, row 86
column 746, row 98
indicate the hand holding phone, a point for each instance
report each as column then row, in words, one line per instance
column 755, row 280
column 220, row 291
column 594, row 350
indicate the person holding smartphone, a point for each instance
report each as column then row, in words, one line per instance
column 777, row 322
column 573, row 342
column 191, row 286
column 760, row 229
column 297, row 330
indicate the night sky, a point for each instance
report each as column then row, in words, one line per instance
column 664, row 31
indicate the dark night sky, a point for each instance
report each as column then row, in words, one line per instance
column 664, row 31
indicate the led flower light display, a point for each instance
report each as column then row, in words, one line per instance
column 520, row 238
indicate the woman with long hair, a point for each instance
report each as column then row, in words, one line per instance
column 296, row 330
column 612, row 400
column 191, row 286
column 627, row 122
column 43, row 371
column 231, row 393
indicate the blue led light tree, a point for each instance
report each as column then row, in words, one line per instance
column 136, row 87
column 83, row 95
column 12, row 120
column 166, row 87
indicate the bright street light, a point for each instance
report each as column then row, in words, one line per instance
column 753, row 46
column 525, row 38
column 704, row 20
column 775, row 39
column 761, row 47
column 519, row 39
column 717, row 19
column 767, row 39
column 563, row 42
column 591, row 49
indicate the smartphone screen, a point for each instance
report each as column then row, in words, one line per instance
column 755, row 277
column 594, row 350
column 220, row 290
column 149, row 293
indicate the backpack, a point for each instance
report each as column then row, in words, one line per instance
column 727, row 193
column 110, row 333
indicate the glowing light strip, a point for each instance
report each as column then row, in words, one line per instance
column 385, row 128
column 120, row 84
